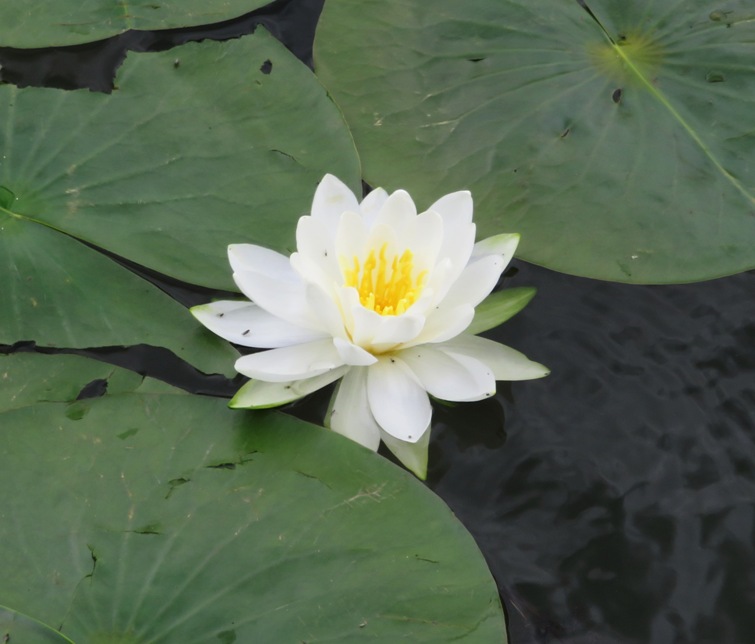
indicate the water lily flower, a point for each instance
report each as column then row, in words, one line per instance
column 382, row 298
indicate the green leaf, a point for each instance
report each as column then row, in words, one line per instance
column 165, row 173
column 171, row 518
column 45, row 23
column 620, row 147
column 28, row 378
column 499, row 307
column 59, row 292
column 199, row 147
column 16, row 627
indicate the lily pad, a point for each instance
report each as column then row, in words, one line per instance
column 162, row 517
column 15, row 627
column 202, row 146
column 616, row 136
column 29, row 378
column 46, row 23
column 61, row 293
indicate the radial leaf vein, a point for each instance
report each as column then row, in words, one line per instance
column 663, row 100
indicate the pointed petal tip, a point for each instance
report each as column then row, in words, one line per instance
column 413, row 456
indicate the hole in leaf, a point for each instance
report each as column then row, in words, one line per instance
column 267, row 66
column 94, row 389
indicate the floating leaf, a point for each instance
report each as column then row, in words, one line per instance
column 205, row 145
column 161, row 517
column 28, row 378
column 616, row 137
column 45, row 23
column 199, row 147
column 59, row 292
column 499, row 307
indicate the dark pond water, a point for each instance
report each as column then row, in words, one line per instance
column 614, row 500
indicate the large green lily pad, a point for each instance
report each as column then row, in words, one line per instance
column 202, row 146
column 60, row 293
column 45, row 23
column 171, row 518
column 618, row 142
column 206, row 145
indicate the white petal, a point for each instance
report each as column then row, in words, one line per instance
column 323, row 311
column 351, row 354
column 449, row 377
column 258, row 394
column 381, row 333
column 249, row 325
column 249, row 257
column 397, row 211
column 398, row 402
column 455, row 207
column 424, row 236
column 311, row 273
column 458, row 230
column 285, row 299
column 291, row 363
column 444, row 323
column 316, row 244
column 503, row 245
column 413, row 456
column 505, row 362
column 350, row 241
column 350, row 414
column 372, row 204
column 332, row 198
column 476, row 281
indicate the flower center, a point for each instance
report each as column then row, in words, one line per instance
column 386, row 284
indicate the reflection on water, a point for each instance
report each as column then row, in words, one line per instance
column 616, row 502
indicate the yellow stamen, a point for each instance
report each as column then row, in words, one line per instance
column 385, row 285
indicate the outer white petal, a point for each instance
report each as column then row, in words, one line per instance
column 323, row 311
column 505, row 362
column 455, row 207
column 413, row 456
column 476, row 281
column 291, row 363
column 258, row 394
column 352, row 354
column 350, row 413
column 316, row 245
column 449, row 376
column 458, row 239
column 311, row 273
column 249, row 257
column 285, row 299
column 444, row 323
column 504, row 245
column 372, row 204
column 398, row 402
column 332, row 198
column 249, row 325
